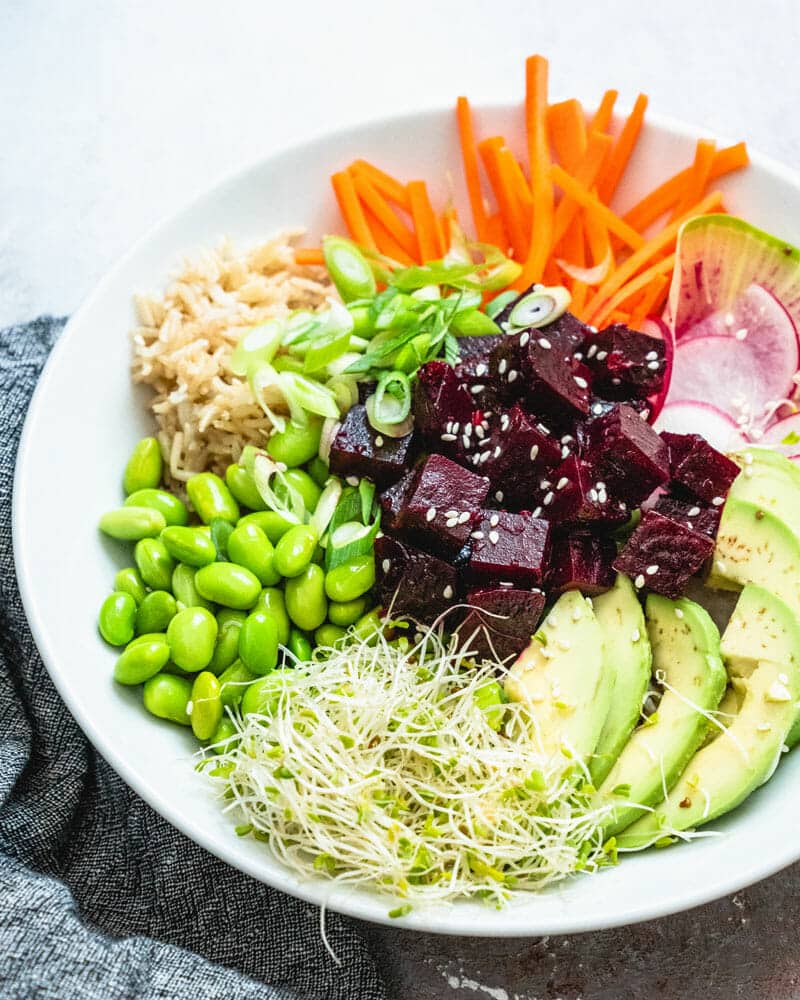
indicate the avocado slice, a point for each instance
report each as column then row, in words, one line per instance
column 685, row 644
column 770, row 481
column 724, row 773
column 564, row 676
column 627, row 649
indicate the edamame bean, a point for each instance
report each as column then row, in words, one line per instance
column 230, row 616
column 258, row 643
column 155, row 612
column 295, row 550
column 191, row 636
column 319, row 471
column 189, row 546
column 351, row 579
column 206, row 705
column 346, row 613
column 220, row 532
column 117, row 618
column 368, row 626
column 226, row 649
column 305, row 598
column 141, row 660
column 299, row 645
column 233, row 683
column 129, row 580
column 144, row 467
column 167, row 697
column 184, row 589
column 296, row 444
column 328, row 635
column 173, row 509
column 272, row 601
column 129, row 524
column 243, row 487
column 154, row 563
column 147, row 637
column 211, row 498
column 263, row 695
column 225, row 732
column 273, row 524
column 248, row 546
column 301, row 483
column 228, row 584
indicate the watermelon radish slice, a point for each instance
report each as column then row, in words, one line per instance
column 718, row 258
column 689, row 417
column 785, row 432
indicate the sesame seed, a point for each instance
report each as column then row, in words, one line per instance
column 602, row 355
column 564, row 644
column 580, row 382
column 694, row 511
column 498, row 451
column 512, row 375
column 480, row 369
column 600, row 485
column 639, row 582
column 718, row 501
column 548, row 498
column 476, row 390
column 465, row 440
column 534, row 452
column 741, row 334
column 616, row 381
column 578, row 356
column 651, row 570
column 480, row 432
column 430, row 513
column 494, row 538
column 544, row 484
column 537, row 512
column 678, row 613
column 567, row 439
column 456, row 427
column 544, row 343
column 499, row 496
column 653, row 365
column 636, row 635
column 486, row 455
column 577, row 614
column 748, row 458
column 448, row 437
column 505, row 326
column 451, row 513
column 597, row 409
column 467, row 429
column 506, row 583
column 477, row 535
column 644, row 414
column 352, row 480
column 494, row 520
column 524, row 338
column 386, row 565
column 562, row 483
column 565, row 452
column 543, row 429
column 592, row 494
column 447, row 593
column 502, row 367
column 464, row 516
column 591, row 351
column 451, row 522
column 651, row 356
column 504, row 422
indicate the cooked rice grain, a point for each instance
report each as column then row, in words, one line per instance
column 182, row 347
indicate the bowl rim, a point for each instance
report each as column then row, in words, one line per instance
column 358, row 904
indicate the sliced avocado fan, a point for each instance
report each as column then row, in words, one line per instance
column 685, row 644
column 770, row 481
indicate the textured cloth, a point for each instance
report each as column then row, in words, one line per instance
column 99, row 896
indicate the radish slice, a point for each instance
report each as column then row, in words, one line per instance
column 784, row 432
column 689, row 417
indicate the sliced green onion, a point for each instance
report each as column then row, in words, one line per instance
column 287, row 363
column 427, row 293
column 326, row 506
column 329, row 431
column 325, row 349
column 300, row 324
column 392, row 398
column 349, row 532
column 304, row 395
column 288, row 503
column 349, row 269
column 499, row 302
column 473, row 323
column 350, row 541
column 347, row 509
column 388, row 430
column 345, row 391
column 540, row 307
column 366, row 491
column 259, row 344
column 363, row 320
column 269, row 390
column 399, row 313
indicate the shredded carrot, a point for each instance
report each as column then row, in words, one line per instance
column 351, row 210
column 501, row 177
column 386, row 243
column 623, row 148
column 589, row 167
column 637, row 284
column 384, row 183
column 496, row 232
column 605, row 110
column 308, row 257
column 593, row 205
column 698, row 177
column 424, row 221
column 649, row 301
column 377, row 204
column 471, row 173
column 566, row 123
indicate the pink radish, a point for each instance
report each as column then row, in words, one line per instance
column 690, row 417
column 778, row 432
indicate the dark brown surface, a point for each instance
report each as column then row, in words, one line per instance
column 746, row 946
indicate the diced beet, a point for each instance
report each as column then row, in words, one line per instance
column 365, row 390
column 518, row 451
column 513, row 547
column 359, row 450
column 413, row 582
column 440, row 401
column 699, row 468
column 625, row 362
column 698, row 517
column 582, row 562
column 483, row 386
column 574, row 494
column 567, row 327
column 490, row 636
column 663, row 554
column 627, row 451
column 444, row 505
column 392, row 500
column 477, row 348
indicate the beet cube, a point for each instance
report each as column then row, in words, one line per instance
column 582, row 562
column 698, row 517
column 413, row 582
column 513, row 547
column 567, row 327
column 392, row 500
column 477, row 348
column 573, row 493
column 630, row 455
column 663, row 554
column 359, row 450
column 625, row 362
column 444, row 505
column 518, row 452
column 482, row 385
column 699, row 468
column 490, row 636
column 440, row 402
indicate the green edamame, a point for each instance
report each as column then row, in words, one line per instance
column 226, row 649
column 271, row 600
column 226, row 731
column 230, row 616
column 243, row 487
column 173, row 509
column 296, row 444
column 319, row 471
column 248, row 546
column 305, row 598
column 144, row 467
column 220, row 532
column 351, row 579
column 299, row 645
column 233, row 683
column 154, row 563
column 211, row 498
column 346, row 613
column 184, row 589
column 273, row 524
column 187, row 545
column 368, row 626
column 147, row 637
column 141, row 660
column 191, row 636
column 156, row 612
column 117, row 618
column 295, row 550
column 299, row 481
column 129, row 580
column 228, row 584
column 263, row 695
column 328, row 635
column 129, row 524
column 206, row 705
column 167, row 697
column 258, row 642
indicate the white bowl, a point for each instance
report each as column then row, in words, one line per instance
column 85, row 417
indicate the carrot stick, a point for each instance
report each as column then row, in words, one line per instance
column 384, row 183
column 466, row 134
column 386, row 243
column 498, row 172
column 567, row 126
column 593, row 204
column 597, row 238
column 521, row 188
column 424, row 221
column 649, row 301
column 539, row 159
column 573, row 249
column 698, row 177
column 605, row 110
column 637, row 284
column 308, row 257
column 351, row 210
column 496, row 232
column 588, row 169
column 377, row 204
column 623, row 148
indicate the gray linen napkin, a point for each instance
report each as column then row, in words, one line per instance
column 99, row 896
